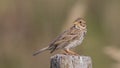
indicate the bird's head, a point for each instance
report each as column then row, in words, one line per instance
column 80, row 23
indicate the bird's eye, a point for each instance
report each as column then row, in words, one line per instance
column 80, row 21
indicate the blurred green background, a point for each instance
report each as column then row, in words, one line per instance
column 29, row 25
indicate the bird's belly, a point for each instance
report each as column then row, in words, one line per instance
column 75, row 43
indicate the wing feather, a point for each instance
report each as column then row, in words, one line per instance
column 64, row 39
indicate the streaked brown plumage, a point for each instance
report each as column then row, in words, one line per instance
column 68, row 39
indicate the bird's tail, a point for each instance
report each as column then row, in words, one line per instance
column 40, row 51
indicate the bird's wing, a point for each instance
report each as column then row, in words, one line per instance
column 62, row 40
column 66, row 38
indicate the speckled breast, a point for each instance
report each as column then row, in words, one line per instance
column 77, row 42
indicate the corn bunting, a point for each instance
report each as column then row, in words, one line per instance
column 68, row 39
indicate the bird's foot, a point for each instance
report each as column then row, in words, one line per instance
column 71, row 54
column 68, row 52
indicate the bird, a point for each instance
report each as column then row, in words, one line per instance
column 69, row 39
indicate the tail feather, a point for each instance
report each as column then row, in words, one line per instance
column 40, row 51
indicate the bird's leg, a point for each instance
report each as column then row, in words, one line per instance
column 69, row 52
